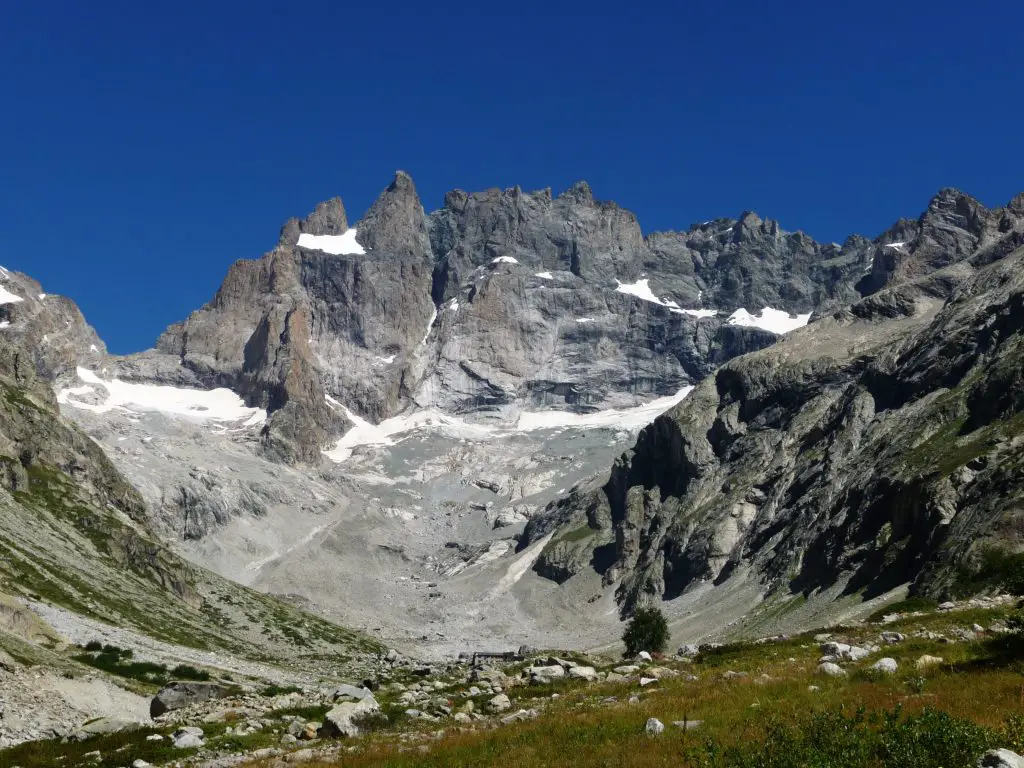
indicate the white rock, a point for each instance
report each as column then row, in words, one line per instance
column 583, row 673
column 1001, row 758
column 886, row 666
column 188, row 737
column 654, row 727
column 500, row 703
column 645, row 681
column 644, row 656
column 928, row 661
column 832, row 670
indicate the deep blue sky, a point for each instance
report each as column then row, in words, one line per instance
column 144, row 146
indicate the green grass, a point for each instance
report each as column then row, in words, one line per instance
column 117, row 661
column 910, row 605
column 117, row 749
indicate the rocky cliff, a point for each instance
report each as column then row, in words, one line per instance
column 499, row 301
column 878, row 446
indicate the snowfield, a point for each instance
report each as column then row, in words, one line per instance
column 774, row 320
column 196, row 405
column 336, row 245
column 389, row 431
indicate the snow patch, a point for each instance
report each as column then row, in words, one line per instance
column 6, row 297
column 42, row 296
column 774, row 320
column 386, row 360
column 196, row 405
column 545, row 276
column 5, row 323
column 336, row 245
column 430, row 327
column 620, row 418
column 504, row 260
column 454, row 306
column 584, row 319
column 92, row 348
column 642, row 290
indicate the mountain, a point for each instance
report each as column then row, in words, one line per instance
column 879, row 446
column 499, row 302
column 425, row 407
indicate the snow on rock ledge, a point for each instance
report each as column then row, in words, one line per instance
column 336, row 245
column 774, row 320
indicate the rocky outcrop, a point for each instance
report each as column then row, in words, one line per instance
column 49, row 329
column 878, row 446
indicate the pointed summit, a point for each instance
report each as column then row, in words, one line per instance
column 580, row 192
column 396, row 222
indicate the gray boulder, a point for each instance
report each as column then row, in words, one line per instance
column 654, row 727
column 189, row 737
column 342, row 720
column 179, row 695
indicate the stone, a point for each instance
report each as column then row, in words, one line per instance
column 341, row 721
column 545, row 674
column 688, row 725
column 500, row 703
column 178, row 695
column 891, row 638
column 926, row 661
column 831, row 670
column 887, row 666
column 583, row 673
column 289, row 739
column 688, row 651
column 645, row 681
column 654, row 727
column 644, row 656
column 140, row 763
column 188, row 737
column 350, row 693
column 1001, row 758
column 628, row 669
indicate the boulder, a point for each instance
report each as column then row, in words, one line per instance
column 644, row 656
column 928, row 661
column 583, row 673
column 1001, row 758
column 179, row 695
column 886, row 666
column 347, row 692
column 831, row 670
column 891, row 638
column 627, row 669
column 541, row 675
column 500, row 703
column 654, row 727
column 189, row 737
column 343, row 719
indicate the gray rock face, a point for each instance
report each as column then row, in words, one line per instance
column 49, row 329
column 342, row 721
column 875, row 447
column 498, row 301
column 178, row 695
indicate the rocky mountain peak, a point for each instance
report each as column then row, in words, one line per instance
column 579, row 192
column 396, row 223
column 328, row 218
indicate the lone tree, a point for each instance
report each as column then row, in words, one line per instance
column 646, row 631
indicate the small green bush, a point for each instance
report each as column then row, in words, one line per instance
column 186, row 672
column 647, row 631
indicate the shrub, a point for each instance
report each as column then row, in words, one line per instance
column 647, row 631
column 186, row 672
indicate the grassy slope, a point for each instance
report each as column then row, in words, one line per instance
column 968, row 702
